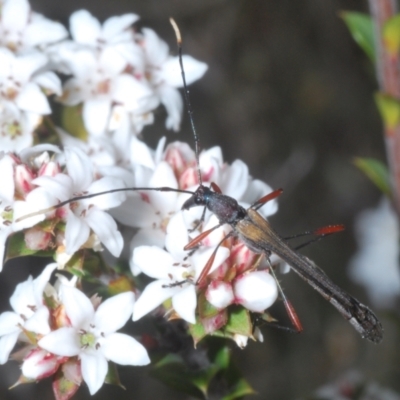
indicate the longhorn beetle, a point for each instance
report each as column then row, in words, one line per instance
column 257, row 234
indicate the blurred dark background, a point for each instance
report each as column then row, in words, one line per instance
column 289, row 93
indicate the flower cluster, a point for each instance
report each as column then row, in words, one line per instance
column 62, row 328
column 72, row 200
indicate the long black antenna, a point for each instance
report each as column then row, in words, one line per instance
column 187, row 98
column 89, row 196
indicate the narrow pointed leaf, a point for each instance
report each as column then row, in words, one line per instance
column 362, row 30
column 389, row 108
column 376, row 171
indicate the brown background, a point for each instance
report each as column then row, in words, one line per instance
column 289, row 93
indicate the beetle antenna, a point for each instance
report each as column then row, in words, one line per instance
column 89, row 196
column 187, row 97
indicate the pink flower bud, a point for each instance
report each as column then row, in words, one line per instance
column 256, row 290
column 51, row 168
column 37, row 239
column 40, row 364
column 23, row 179
column 220, row 294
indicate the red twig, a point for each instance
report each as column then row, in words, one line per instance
column 388, row 74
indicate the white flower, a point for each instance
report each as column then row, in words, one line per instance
column 22, row 30
column 165, row 75
column 115, row 31
column 174, row 272
column 99, row 81
column 92, row 335
column 22, row 101
column 376, row 264
column 29, row 312
column 82, row 216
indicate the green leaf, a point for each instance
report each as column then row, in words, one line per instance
column 72, row 122
column 206, row 309
column 389, row 108
column 376, row 171
column 391, row 35
column 112, row 376
column 362, row 30
column 172, row 371
column 237, row 386
column 16, row 247
column 197, row 332
column 239, row 321
column 240, row 389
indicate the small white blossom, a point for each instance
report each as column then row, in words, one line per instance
column 376, row 264
column 22, row 101
column 92, row 335
column 174, row 272
column 22, row 30
column 29, row 312
column 81, row 217
column 165, row 75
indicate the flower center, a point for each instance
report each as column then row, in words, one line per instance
column 88, row 339
column 11, row 129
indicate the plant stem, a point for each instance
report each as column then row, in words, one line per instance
column 388, row 75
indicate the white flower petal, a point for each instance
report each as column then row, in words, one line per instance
column 156, row 49
column 235, row 179
column 94, row 370
column 106, row 201
column 153, row 261
column 23, row 298
column 177, row 235
column 184, row 303
column 32, row 99
column 41, row 281
column 153, row 295
column 78, row 306
column 39, row 322
column 95, row 114
column 14, row 14
column 137, row 213
column 63, row 342
column 7, row 343
column 173, row 103
column 84, row 28
column 113, row 314
column 140, row 153
column 9, row 322
column 124, row 350
column 148, row 237
column 43, row 31
column 378, row 236
column 49, row 81
column 257, row 189
column 163, row 202
column 76, row 233
column 115, row 25
column 79, row 168
column 171, row 72
column 104, row 226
